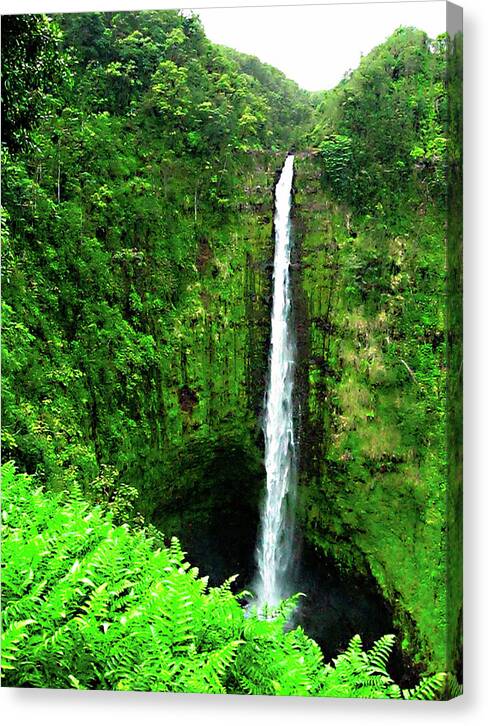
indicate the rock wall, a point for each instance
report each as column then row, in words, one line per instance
column 213, row 471
column 371, row 389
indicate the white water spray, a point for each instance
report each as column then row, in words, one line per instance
column 275, row 548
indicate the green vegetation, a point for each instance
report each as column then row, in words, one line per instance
column 370, row 213
column 89, row 604
column 383, row 129
column 138, row 164
column 135, row 257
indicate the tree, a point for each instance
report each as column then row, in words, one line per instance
column 32, row 68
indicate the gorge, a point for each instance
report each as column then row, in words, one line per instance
column 149, row 192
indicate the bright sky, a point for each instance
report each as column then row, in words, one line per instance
column 313, row 44
column 317, row 45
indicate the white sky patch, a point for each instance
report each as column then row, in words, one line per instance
column 317, row 45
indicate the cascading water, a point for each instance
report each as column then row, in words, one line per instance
column 275, row 547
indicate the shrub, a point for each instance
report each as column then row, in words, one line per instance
column 92, row 605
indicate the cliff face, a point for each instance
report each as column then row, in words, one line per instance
column 371, row 385
column 136, row 340
column 212, row 467
column 151, row 358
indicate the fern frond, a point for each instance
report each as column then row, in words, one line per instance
column 429, row 688
column 379, row 654
column 11, row 639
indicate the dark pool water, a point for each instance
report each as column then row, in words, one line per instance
column 339, row 605
column 336, row 605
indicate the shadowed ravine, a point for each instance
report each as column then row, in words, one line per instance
column 232, row 338
column 334, row 605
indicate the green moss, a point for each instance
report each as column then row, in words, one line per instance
column 373, row 477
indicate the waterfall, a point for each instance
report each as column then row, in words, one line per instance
column 275, row 546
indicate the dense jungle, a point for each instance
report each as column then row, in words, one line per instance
column 139, row 162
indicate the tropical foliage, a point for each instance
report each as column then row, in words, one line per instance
column 387, row 121
column 91, row 604
column 138, row 164
column 373, row 255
